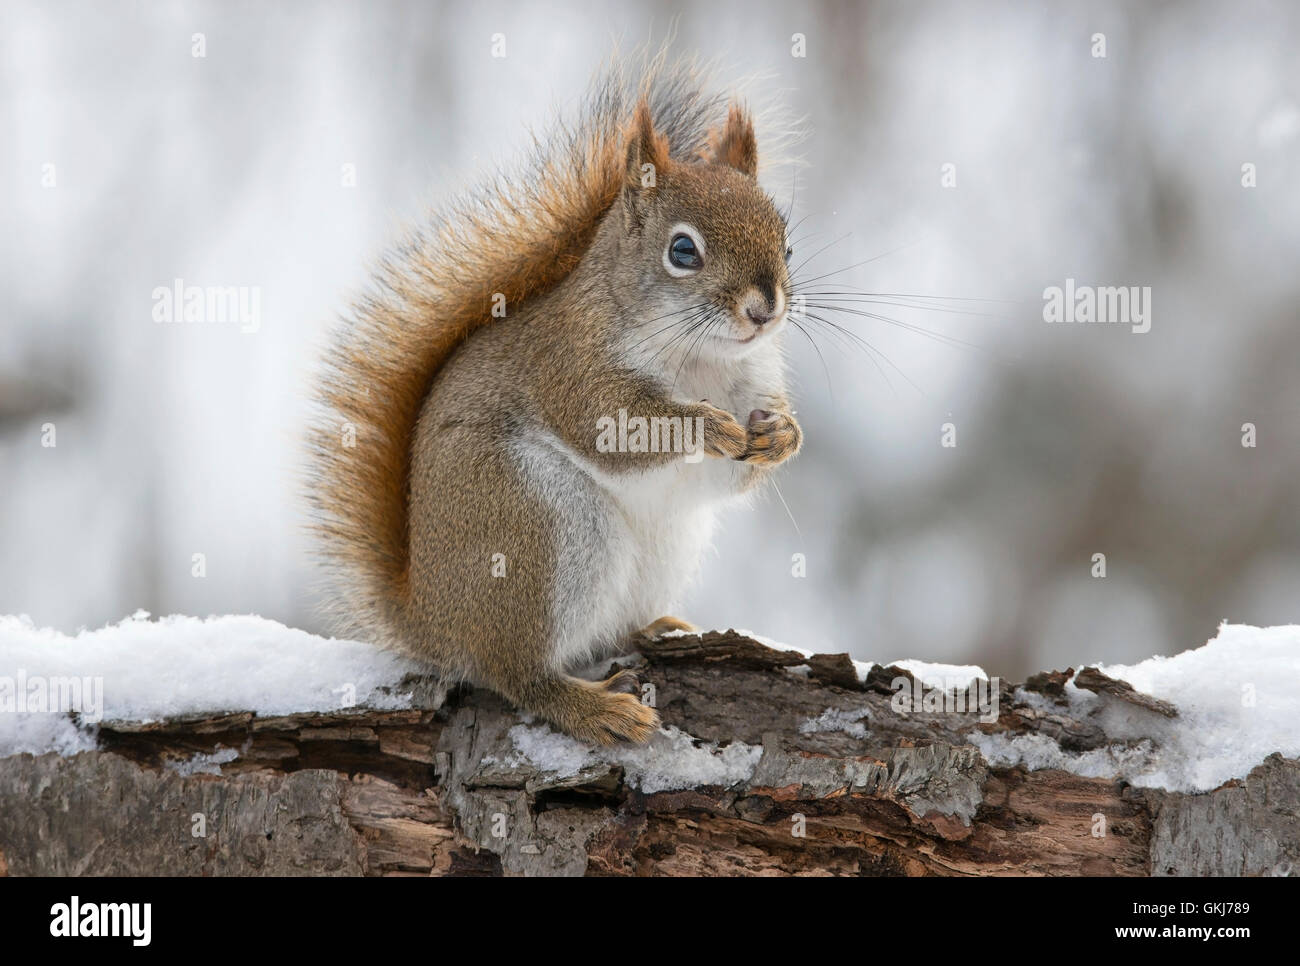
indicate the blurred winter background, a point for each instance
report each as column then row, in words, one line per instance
column 128, row 162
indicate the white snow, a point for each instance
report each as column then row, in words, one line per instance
column 549, row 750
column 957, row 676
column 145, row 670
column 930, row 674
column 775, row 645
column 1238, row 699
column 203, row 764
column 833, row 719
column 671, row 760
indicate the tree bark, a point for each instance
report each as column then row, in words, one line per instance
column 803, row 770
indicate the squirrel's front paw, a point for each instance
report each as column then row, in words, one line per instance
column 772, row 438
column 724, row 437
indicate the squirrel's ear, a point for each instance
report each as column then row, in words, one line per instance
column 735, row 145
column 647, row 151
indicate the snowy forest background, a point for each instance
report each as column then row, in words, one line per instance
column 1072, row 440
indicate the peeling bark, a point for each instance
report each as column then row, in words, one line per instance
column 813, row 772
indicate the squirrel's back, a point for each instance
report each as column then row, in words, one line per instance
column 513, row 238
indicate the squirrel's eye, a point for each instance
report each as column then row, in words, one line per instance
column 682, row 252
column 788, row 252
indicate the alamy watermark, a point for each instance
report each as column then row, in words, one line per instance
column 954, row 696
column 654, row 434
column 129, row 920
column 223, row 304
column 36, row 693
column 1115, row 304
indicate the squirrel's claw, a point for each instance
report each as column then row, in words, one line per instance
column 724, row 437
column 772, row 440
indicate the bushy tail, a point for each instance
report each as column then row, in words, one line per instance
column 518, row 234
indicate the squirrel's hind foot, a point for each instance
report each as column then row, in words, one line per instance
column 620, row 717
column 665, row 624
column 602, row 713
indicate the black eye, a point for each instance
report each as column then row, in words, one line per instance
column 788, row 252
column 682, row 252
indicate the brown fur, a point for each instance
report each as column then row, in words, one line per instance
column 439, row 393
column 736, row 146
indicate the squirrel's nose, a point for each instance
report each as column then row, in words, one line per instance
column 759, row 307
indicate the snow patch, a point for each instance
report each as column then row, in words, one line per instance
column 37, row 733
column 775, row 645
column 833, row 719
column 153, row 669
column 671, row 760
column 1238, row 701
column 942, row 676
column 1036, row 752
column 548, row 750
column 863, row 668
column 202, row 763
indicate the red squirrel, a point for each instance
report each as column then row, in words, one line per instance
column 470, row 505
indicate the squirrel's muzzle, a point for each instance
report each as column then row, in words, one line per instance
column 760, row 305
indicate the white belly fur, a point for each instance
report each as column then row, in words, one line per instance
column 631, row 543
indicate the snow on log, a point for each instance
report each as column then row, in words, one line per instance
column 236, row 746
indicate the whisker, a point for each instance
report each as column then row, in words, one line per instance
column 688, row 326
column 697, row 343
column 909, row 326
column 794, row 188
column 951, row 298
column 857, row 299
column 840, row 338
column 856, row 341
column 689, row 308
column 794, row 271
column 865, row 261
column 830, row 390
column 800, row 239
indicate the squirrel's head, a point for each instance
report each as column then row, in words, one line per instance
column 709, row 244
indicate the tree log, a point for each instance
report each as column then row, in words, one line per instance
column 774, row 763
